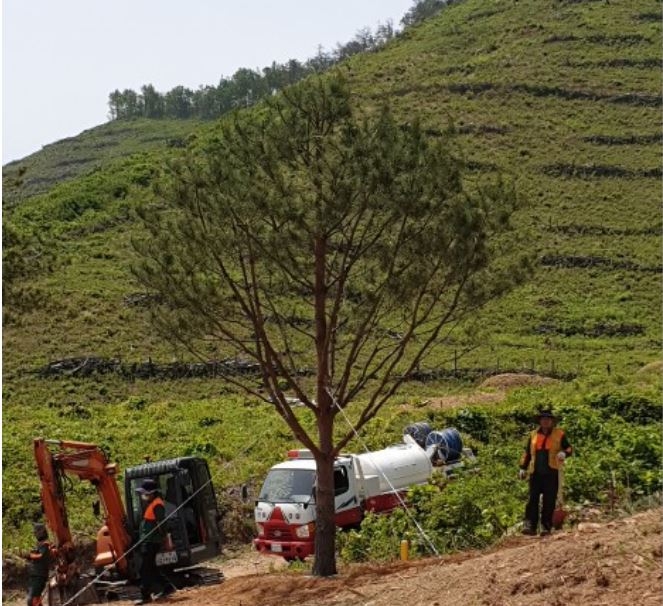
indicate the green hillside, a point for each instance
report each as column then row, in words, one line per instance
column 71, row 158
column 563, row 97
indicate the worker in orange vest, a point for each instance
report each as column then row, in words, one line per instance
column 152, row 533
column 39, row 562
column 545, row 452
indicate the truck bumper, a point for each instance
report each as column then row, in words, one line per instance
column 289, row 550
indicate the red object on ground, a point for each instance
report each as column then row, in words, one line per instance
column 559, row 515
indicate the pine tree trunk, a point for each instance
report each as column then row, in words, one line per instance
column 325, row 531
column 325, row 528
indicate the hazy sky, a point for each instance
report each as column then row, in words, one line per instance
column 61, row 58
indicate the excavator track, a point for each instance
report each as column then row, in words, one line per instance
column 195, row 577
column 210, row 576
column 121, row 592
column 59, row 596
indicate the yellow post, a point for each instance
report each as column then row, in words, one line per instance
column 405, row 550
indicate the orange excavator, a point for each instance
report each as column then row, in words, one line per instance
column 192, row 520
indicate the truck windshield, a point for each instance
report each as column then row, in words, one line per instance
column 288, row 486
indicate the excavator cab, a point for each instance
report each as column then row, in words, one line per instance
column 192, row 516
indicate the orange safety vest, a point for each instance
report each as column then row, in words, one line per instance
column 539, row 441
column 149, row 514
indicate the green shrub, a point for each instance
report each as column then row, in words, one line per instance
column 201, row 449
column 473, row 422
column 630, row 407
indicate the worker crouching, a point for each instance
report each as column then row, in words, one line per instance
column 545, row 452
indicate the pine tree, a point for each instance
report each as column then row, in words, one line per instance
column 309, row 235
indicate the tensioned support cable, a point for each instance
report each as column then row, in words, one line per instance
column 420, row 530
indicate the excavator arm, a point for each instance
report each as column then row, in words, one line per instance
column 55, row 458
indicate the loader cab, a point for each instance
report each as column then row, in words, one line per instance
column 191, row 509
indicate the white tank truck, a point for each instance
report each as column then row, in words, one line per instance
column 374, row 481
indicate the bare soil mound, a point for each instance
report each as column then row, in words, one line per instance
column 491, row 391
column 652, row 367
column 611, row 564
column 512, row 379
column 453, row 401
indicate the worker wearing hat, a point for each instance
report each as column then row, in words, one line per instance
column 39, row 563
column 545, row 452
column 151, row 536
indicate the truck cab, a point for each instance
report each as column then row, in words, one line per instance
column 285, row 508
column 376, row 481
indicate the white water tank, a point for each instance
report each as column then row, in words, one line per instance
column 403, row 464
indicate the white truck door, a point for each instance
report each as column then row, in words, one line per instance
column 345, row 494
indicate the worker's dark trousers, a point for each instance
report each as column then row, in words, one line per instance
column 35, row 588
column 541, row 485
column 150, row 579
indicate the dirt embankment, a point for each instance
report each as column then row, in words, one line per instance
column 492, row 390
column 609, row 564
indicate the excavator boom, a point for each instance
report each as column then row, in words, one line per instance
column 88, row 462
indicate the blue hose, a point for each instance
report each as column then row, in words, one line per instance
column 419, row 431
column 449, row 443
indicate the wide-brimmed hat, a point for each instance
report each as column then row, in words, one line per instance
column 148, row 486
column 545, row 413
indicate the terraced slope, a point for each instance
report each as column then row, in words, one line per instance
column 565, row 97
column 71, row 158
column 562, row 97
